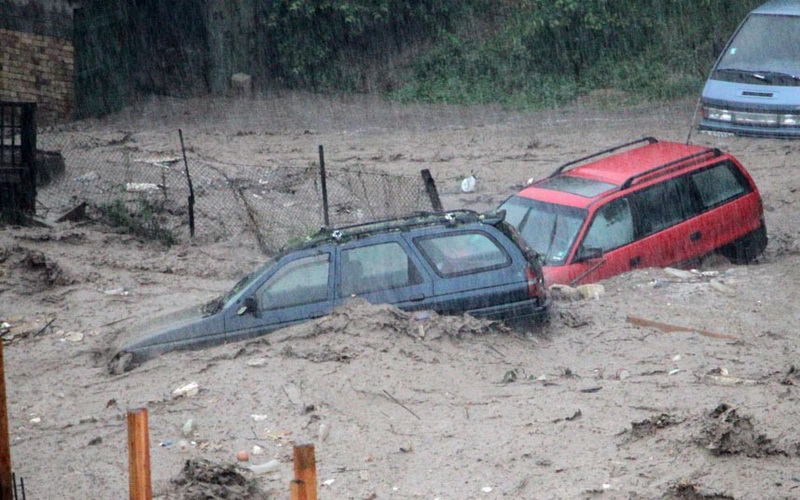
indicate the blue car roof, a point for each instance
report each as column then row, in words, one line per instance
column 779, row 7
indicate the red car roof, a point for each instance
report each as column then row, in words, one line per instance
column 613, row 169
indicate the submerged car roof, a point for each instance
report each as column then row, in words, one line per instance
column 618, row 171
column 779, row 7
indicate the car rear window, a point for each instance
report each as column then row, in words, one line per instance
column 580, row 186
column 719, row 184
column 376, row 267
column 457, row 254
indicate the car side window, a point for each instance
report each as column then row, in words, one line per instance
column 611, row 227
column 462, row 253
column 298, row 282
column 661, row 206
column 719, row 184
column 376, row 267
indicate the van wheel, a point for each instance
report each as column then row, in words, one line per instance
column 747, row 248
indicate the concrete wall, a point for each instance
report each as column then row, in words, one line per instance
column 37, row 56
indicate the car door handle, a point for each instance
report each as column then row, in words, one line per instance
column 635, row 261
column 696, row 236
column 417, row 298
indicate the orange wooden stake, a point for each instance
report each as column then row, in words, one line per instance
column 6, row 486
column 305, row 470
column 297, row 490
column 139, row 455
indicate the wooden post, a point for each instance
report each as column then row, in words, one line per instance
column 324, row 179
column 6, row 482
column 139, row 455
column 430, row 187
column 305, row 470
column 297, row 490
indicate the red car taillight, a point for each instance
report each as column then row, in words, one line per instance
column 535, row 283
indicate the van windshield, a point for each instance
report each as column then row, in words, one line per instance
column 549, row 229
column 766, row 49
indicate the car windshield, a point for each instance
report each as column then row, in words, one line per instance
column 547, row 228
column 215, row 305
column 766, row 47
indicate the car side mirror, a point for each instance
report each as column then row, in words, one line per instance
column 250, row 306
column 588, row 253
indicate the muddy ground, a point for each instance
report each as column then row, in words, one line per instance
column 604, row 402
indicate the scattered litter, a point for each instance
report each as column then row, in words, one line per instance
column 184, row 445
column 242, row 455
column 592, row 291
column 676, row 357
column 468, row 184
column 270, row 466
column 622, row 374
column 679, row 273
column 666, row 327
column 142, row 187
column 73, row 337
column 259, row 418
column 591, row 390
column 257, row 450
column 486, row 489
column 36, row 420
column 675, row 371
column 565, row 292
column 164, row 444
column 257, row 362
column 328, row 482
column 188, row 390
column 189, row 428
column 722, row 288
column 117, row 291
column 324, row 431
column 727, row 380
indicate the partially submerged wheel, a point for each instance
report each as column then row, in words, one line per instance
column 747, row 248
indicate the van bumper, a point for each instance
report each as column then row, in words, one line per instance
column 749, row 130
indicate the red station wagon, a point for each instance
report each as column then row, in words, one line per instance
column 645, row 203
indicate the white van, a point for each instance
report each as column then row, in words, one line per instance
column 754, row 88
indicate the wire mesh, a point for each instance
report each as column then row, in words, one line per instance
column 249, row 204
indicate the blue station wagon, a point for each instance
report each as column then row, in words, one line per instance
column 459, row 262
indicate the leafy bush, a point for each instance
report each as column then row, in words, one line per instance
column 142, row 222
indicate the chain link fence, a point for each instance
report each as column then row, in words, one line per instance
column 247, row 204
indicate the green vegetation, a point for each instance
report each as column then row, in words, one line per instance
column 521, row 53
column 142, row 222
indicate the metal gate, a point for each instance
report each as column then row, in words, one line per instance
column 17, row 161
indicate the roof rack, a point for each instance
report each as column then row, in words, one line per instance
column 417, row 219
column 649, row 140
column 712, row 151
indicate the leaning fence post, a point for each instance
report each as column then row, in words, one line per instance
column 191, row 188
column 430, row 187
column 324, row 181
column 305, row 471
column 6, row 481
column 139, row 455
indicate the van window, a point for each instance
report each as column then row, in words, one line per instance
column 465, row 253
column 300, row 281
column 719, row 184
column 663, row 205
column 764, row 43
column 376, row 267
column 612, row 226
